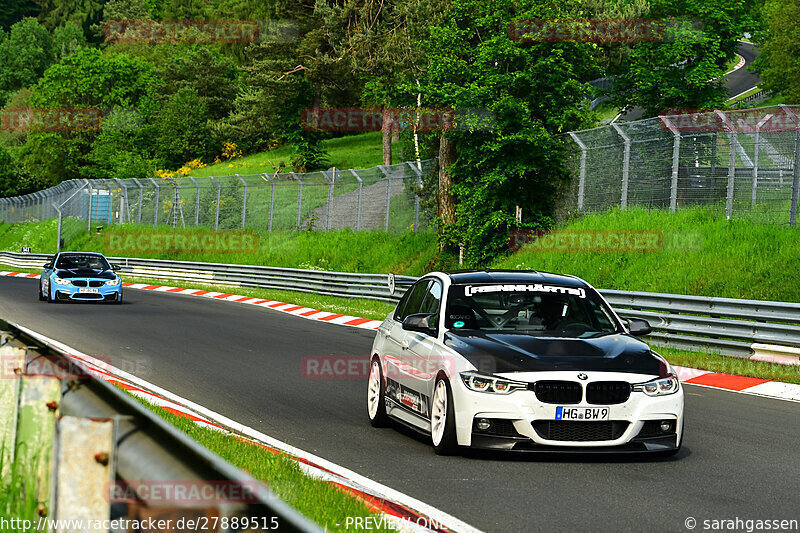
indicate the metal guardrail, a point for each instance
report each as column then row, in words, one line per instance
column 140, row 446
column 727, row 325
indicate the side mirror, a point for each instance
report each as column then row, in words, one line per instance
column 420, row 322
column 116, row 267
column 639, row 327
column 46, row 265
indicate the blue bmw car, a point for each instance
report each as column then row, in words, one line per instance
column 83, row 276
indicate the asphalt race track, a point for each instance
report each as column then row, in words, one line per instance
column 739, row 459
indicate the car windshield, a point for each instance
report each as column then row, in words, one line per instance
column 82, row 262
column 534, row 309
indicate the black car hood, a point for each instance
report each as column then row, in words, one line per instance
column 497, row 352
column 85, row 273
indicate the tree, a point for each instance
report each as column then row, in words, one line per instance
column 86, row 79
column 182, row 131
column 779, row 61
column 27, row 51
column 55, row 13
column 67, row 39
column 529, row 92
column 13, row 11
column 686, row 69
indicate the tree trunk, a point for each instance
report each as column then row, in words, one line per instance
column 386, row 130
column 446, row 202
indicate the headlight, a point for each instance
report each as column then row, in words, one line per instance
column 60, row 281
column 484, row 383
column 659, row 387
column 113, row 282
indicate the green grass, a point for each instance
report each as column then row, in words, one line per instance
column 320, row 501
column 343, row 250
column 731, row 102
column 703, row 255
column 775, row 100
column 606, row 111
column 354, row 151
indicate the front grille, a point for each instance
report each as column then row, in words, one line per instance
column 608, row 392
column 562, row 392
column 79, row 282
column 96, row 283
column 572, row 431
column 88, row 296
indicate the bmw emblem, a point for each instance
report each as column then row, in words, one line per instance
column 583, row 376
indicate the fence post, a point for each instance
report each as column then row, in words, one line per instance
column 110, row 202
column 196, row 202
column 244, row 199
column 158, row 199
column 732, row 143
column 418, row 172
column 755, row 156
column 676, row 153
column 219, row 192
column 58, row 231
column 330, row 196
column 299, row 199
column 388, row 196
column 89, row 215
column 795, row 196
column 582, row 175
column 626, row 163
column 123, row 201
column 271, row 200
column 358, row 203
column 141, row 199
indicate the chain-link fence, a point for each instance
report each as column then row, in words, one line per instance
column 383, row 198
column 741, row 161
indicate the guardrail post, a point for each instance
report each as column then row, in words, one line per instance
column 582, row 173
column 755, row 156
column 219, row 192
column 13, row 360
column 299, row 199
column 82, row 487
column 271, row 200
column 330, row 198
column 38, row 412
column 196, row 202
column 626, row 163
column 388, row 195
column 418, row 173
column 358, row 202
column 676, row 154
column 244, row 199
column 158, row 199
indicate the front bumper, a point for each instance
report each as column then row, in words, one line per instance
column 521, row 422
column 106, row 293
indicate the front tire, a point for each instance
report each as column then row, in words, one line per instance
column 42, row 297
column 376, row 396
column 443, row 419
column 50, row 298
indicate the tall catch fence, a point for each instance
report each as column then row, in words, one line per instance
column 741, row 161
column 384, row 198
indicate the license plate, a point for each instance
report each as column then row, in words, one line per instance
column 581, row 413
column 88, row 290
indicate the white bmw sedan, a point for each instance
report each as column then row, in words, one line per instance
column 523, row 361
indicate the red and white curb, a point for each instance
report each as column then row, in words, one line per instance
column 743, row 384
column 395, row 510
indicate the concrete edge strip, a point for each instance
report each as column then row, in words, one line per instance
column 759, row 387
column 398, row 510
